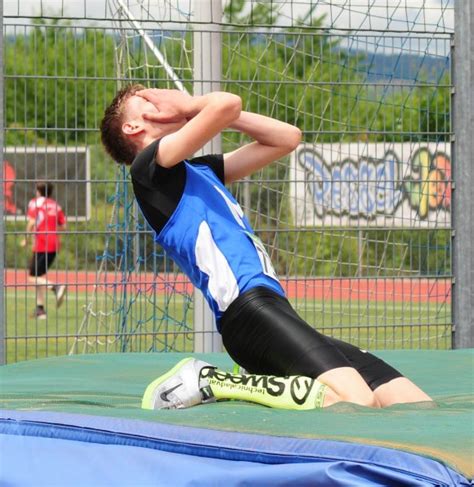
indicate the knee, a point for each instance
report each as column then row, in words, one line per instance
column 366, row 399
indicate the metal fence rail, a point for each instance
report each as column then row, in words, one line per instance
column 358, row 221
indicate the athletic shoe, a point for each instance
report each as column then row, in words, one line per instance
column 60, row 292
column 39, row 314
column 181, row 387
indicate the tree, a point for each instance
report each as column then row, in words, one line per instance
column 57, row 82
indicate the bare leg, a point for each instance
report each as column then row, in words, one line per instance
column 330, row 398
column 41, row 284
column 400, row 391
column 349, row 386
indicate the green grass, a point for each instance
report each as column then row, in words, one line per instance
column 166, row 324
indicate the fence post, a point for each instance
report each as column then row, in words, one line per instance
column 207, row 64
column 463, row 176
column 2, row 200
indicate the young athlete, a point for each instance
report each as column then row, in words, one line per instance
column 45, row 219
column 202, row 227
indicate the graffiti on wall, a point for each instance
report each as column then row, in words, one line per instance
column 394, row 189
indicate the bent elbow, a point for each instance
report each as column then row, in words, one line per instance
column 235, row 107
column 230, row 107
column 295, row 138
column 292, row 139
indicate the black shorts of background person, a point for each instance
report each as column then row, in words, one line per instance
column 40, row 263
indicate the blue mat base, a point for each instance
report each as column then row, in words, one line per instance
column 45, row 448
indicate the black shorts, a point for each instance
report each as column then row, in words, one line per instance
column 263, row 333
column 40, row 263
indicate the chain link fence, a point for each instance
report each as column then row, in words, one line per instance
column 358, row 220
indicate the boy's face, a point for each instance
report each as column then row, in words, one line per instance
column 134, row 108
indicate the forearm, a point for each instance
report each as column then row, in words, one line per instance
column 216, row 99
column 267, row 131
column 272, row 139
column 30, row 226
column 28, row 233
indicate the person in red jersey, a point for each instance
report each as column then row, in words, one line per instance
column 45, row 220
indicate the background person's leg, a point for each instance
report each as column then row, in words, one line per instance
column 37, row 270
column 58, row 290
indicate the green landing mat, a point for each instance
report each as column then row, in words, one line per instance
column 112, row 385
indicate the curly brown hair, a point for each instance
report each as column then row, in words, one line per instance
column 116, row 143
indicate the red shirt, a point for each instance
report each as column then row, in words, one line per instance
column 48, row 215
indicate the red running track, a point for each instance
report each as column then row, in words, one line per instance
column 363, row 289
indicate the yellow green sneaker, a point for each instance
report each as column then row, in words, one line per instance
column 181, row 387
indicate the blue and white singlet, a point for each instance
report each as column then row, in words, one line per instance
column 211, row 240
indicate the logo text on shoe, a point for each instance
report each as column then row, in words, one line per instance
column 164, row 394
